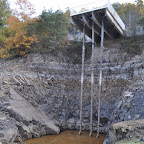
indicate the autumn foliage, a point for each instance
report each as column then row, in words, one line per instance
column 21, row 34
column 24, row 34
column 18, row 43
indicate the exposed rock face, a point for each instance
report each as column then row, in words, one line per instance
column 129, row 107
column 18, row 115
column 41, row 93
column 133, row 129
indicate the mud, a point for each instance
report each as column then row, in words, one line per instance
column 68, row 137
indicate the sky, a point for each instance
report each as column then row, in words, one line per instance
column 61, row 4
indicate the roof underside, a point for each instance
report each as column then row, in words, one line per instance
column 113, row 25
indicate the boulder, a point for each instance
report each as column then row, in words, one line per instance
column 126, row 130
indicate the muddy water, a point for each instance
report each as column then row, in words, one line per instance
column 67, row 137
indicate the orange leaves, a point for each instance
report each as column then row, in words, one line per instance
column 3, row 53
column 67, row 13
column 19, row 41
column 13, row 23
column 25, row 10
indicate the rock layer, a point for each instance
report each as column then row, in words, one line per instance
column 127, row 130
column 41, row 93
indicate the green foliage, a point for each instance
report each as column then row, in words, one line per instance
column 14, row 39
column 47, row 32
column 131, row 14
column 4, row 12
column 141, row 10
column 124, row 11
column 4, row 15
column 4, row 33
column 51, row 28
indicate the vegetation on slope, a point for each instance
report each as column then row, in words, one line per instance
column 133, row 10
column 21, row 33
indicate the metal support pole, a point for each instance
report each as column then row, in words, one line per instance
column 100, row 77
column 92, row 79
column 82, row 78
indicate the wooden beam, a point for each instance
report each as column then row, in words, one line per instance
column 99, row 25
column 86, row 21
column 78, row 26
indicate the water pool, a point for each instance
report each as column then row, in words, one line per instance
column 68, row 137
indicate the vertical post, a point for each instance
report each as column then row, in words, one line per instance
column 130, row 17
column 82, row 78
column 100, row 77
column 92, row 79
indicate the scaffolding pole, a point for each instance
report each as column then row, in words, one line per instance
column 100, row 76
column 82, row 78
column 92, row 79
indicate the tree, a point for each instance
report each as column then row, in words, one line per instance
column 125, row 11
column 4, row 33
column 4, row 12
column 4, row 15
column 131, row 14
column 25, row 10
column 51, row 29
column 18, row 43
column 140, row 6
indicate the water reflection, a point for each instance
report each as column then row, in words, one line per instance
column 67, row 137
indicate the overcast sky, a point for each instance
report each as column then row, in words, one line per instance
column 61, row 4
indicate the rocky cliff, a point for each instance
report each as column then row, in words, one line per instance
column 39, row 94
